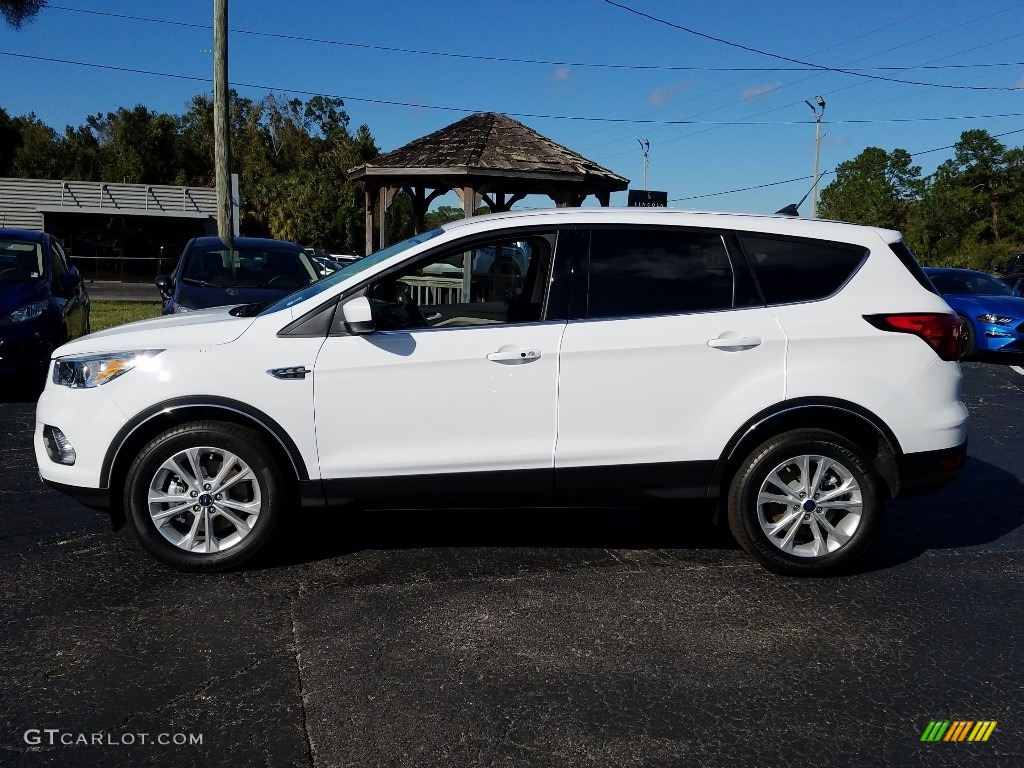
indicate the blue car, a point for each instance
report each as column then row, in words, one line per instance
column 991, row 311
column 42, row 304
column 257, row 271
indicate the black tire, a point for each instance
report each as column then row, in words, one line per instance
column 968, row 343
column 782, row 453
column 216, row 439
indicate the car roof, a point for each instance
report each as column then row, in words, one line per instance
column 767, row 223
column 248, row 242
column 963, row 270
column 23, row 234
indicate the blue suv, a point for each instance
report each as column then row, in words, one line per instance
column 43, row 303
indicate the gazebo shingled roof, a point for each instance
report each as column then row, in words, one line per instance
column 486, row 157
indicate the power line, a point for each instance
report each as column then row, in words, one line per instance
column 510, row 59
column 824, row 173
column 791, row 60
column 526, row 115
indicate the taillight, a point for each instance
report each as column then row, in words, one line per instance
column 940, row 329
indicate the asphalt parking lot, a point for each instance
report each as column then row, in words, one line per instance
column 521, row 639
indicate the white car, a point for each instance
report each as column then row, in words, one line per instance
column 792, row 374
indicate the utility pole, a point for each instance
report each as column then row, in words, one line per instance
column 817, row 149
column 221, row 122
column 645, row 147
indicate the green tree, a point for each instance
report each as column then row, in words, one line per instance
column 10, row 140
column 441, row 215
column 18, row 12
column 876, row 188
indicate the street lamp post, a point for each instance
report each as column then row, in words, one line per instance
column 818, row 113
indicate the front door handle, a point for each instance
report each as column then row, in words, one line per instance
column 512, row 355
column 734, row 343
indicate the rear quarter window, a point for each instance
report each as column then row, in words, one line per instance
column 789, row 270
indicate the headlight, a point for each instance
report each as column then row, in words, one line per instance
column 29, row 312
column 995, row 319
column 84, row 371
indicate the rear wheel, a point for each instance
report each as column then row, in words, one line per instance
column 805, row 502
column 204, row 496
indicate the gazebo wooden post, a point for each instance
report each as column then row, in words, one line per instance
column 370, row 194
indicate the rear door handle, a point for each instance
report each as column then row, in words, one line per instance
column 514, row 356
column 734, row 342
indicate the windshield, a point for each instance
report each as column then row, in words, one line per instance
column 260, row 266
column 20, row 260
column 976, row 283
column 349, row 270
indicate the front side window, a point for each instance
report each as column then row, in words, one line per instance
column 644, row 271
column 800, row 270
column 499, row 280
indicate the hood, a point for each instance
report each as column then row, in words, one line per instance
column 15, row 294
column 207, row 327
column 204, row 296
column 974, row 305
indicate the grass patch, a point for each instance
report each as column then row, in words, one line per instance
column 107, row 314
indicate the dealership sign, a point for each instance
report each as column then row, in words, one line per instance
column 643, row 198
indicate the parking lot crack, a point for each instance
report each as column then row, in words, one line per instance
column 296, row 650
column 194, row 693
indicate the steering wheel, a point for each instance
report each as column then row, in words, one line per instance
column 412, row 310
column 275, row 282
column 17, row 270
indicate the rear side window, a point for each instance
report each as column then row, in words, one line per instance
column 648, row 271
column 906, row 257
column 799, row 270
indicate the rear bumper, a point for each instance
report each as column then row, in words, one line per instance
column 930, row 470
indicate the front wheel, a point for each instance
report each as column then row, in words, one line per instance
column 968, row 343
column 204, row 496
column 805, row 503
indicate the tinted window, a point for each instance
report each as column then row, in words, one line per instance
column 657, row 272
column 248, row 266
column 59, row 266
column 906, row 257
column 967, row 282
column 800, row 270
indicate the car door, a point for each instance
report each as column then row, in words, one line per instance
column 670, row 354
column 454, row 392
column 69, row 299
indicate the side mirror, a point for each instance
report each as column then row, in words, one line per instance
column 358, row 315
column 165, row 285
column 71, row 279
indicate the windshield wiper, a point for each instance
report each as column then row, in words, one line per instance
column 195, row 281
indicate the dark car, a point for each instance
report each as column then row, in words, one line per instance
column 991, row 311
column 1015, row 280
column 256, row 271
column 42, row 302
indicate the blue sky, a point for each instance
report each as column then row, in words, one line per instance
column 768, row 135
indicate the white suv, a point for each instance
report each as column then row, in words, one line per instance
column 793, row 374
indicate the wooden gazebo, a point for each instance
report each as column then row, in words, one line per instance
column 485, row 158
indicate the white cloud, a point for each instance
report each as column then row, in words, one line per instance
column 561, row 73
column 664, row 95
column 757, row 91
